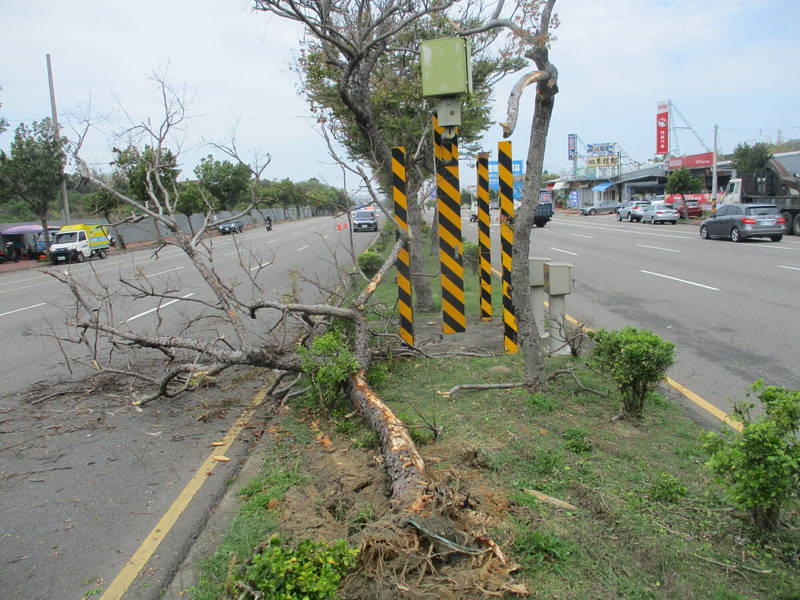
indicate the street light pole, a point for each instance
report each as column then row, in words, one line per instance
column 57, row 133
column 714, row 182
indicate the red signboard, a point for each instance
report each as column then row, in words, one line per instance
column 701, row 198
column 693, row 161
column 662, row 129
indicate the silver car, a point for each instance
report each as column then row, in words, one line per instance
column 741, row 221
column 632, row 211
column 659, row 212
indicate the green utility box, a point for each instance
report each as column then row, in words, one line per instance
column 446, row 67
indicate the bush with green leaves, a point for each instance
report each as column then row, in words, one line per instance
column 311, row 571
column 327, row 363
column 472, row 258
column 370, row 262
column 761, row 466
column 667, row 488
column 636, row 359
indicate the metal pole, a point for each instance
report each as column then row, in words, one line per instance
column 714, row 182
column 64, row 196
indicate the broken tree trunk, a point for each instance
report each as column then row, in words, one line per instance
column 403, row 463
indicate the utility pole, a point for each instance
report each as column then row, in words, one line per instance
column 58, row 135
column 714, row 171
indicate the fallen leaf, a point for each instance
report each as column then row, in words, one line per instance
column 217, row 443
column 221, row 458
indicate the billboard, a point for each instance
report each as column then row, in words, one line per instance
column 516, row 173
column 608, row 160
column 572, row 146
column 662, row 128
column 606, row 148
column 693, row 161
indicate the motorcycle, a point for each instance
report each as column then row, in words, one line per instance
column 268, row 225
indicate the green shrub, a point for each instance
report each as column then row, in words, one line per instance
column 761, row 466
column 636, row 359
column 370, row 263
column 667, row 488
column 536, row 547
column 577, row 441
column 311, row 571
column 327, row 364
column 472, row 258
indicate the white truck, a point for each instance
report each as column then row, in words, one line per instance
column 772, row 185
column 75, row 243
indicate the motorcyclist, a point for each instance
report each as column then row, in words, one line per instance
column 268, row 223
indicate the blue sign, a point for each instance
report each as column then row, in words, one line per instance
column 517, row 172
column 608, row 148
column 573, row 198
column 572, row 146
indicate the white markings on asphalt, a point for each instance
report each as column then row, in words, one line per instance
column 23, row 280
column 564, row 251
column 152, row 310
column 262, row 265
column 298, row 233
column 162, row 272
column 24, row 287
column 11, row 312
column 325, row 237
column 302, row 247
column 708, row 287
column 792, row 268
column 658, row 248
column 591, row 237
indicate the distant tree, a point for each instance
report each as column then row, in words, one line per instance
column 149, row 174
column 748, row 160
column 226, row 181
column 34, row 168
column 681, row 181
column 323, row 197
column 193, row 199
column 105, row 203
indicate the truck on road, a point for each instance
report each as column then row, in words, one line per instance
column 75, row 243
column 773, row 184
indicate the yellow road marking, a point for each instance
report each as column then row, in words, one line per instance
column 697, row 400
column 139, row 559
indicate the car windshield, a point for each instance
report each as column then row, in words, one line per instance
column 363, row 214
column 66, row 238
column 661, row 206
column 761, row 210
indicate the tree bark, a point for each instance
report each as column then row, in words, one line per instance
column 403, row 463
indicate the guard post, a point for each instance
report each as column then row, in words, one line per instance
column 557, row 284
column 506, row 180
column 484, row 236
column 403, row 262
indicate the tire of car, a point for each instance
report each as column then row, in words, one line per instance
column 619, row 217
column 736, row 236
column 796, row 225
column 704, row 232
column 592, row 211
column 79, row 257
column 776, row 238
column 101, row 253
column 630, row 218
column 674, row 222
column 787, row 222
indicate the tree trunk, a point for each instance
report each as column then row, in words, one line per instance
column 420, row 283
column 403, row 463
column 528, row 333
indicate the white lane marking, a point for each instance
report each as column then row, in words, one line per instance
column 591, row 237
column 325, row 237
column 22, row 280
column 564, row 251
column 147, row 312
column 25, row 287
column 262, row 265
column 11, row 312
column 769, row 247
column 792, row 268
column 162, row 272
column 298, row 233
column 302, row 247
column 658, row 248
column 627, row 229
column 708, row 287
column 271, row 241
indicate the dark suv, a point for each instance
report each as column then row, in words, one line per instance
column 230, row 227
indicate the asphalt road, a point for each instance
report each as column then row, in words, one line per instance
column 84, row 479
column 731, row 309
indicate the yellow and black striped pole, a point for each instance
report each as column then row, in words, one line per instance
column 484, row 236
column 403, row 262
column 450, row 244
column 507, row 242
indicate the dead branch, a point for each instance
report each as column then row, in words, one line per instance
column 482, row 386
column 514, row 97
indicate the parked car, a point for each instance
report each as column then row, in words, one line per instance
column 741, row 221
column 599, row 209
column 632, row 211
column 693, row 207
column 365, row 220
column 659, row 212
column 230, row 227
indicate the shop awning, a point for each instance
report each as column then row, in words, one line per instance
column 561, row 185
column 602, row 187
column 20, row 229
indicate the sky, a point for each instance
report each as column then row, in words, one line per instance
column 733, row 63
